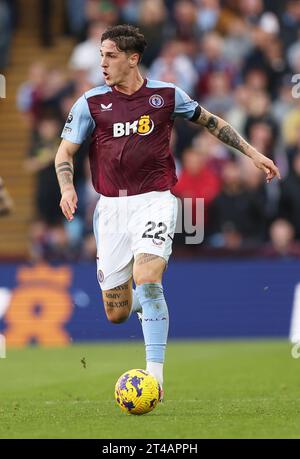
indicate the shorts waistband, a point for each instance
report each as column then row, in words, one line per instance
column 157, row 194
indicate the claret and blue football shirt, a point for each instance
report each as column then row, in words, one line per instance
column 130, row 135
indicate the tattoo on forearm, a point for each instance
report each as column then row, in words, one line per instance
column 65, row 169
column 203, row 118
column 212, row 123
column 229, row 136
column 64, row 172
column 65, row 163
column 65, row 179
column 207, row 120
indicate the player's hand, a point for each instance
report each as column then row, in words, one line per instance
column 68, row 203
column 267, row 165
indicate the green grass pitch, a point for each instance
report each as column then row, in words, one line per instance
column 213, row 389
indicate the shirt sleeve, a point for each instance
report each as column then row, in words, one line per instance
column 184, row 106
column 80, row 123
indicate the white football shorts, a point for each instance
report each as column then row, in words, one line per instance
column 127, row 225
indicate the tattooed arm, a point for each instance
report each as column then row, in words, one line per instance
column 225, row 132
column 64, row 171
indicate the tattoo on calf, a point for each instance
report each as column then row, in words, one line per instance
column 116, row 304
column 121, row 287
column 114, row 296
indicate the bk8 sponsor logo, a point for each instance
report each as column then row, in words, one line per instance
column 143, row 126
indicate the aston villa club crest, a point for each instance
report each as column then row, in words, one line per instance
column 156, row 101
column 100, row 276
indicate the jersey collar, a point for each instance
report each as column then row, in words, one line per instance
column 129, row 96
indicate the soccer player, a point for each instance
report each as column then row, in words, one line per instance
column 129, row 120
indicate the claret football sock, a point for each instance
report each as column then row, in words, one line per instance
column 155, row 325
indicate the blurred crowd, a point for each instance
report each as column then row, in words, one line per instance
column 237, row 58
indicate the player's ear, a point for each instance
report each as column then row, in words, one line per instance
column 134, row 59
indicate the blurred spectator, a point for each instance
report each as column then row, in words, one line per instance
column 13, row 6
column 289, row 207
column 276, row 65
column 290, row 22
column 102, row 11
column 212, row 60
column 185, row 20
column 175, row 67
column 228, row 14
column 282, row 240
column 262, row 132
column 197, row 180
column 41, row 162
column 219, row 99
column 276, row 6
column 237, row 42
column 5, row 34
column 129, row 11
column 6, row 203
column 184, row 132
column 86, row 55
column 46, row 16
column 48, row 236
column 251, row 10
column 293, row 56
column 152, row 22
column 42, row 94
column 237, row 114
column 77, row 19
column 50, row 243
column 291, row 125
column 207, row 14
column 267, row 60
column 30, row 93
column 285, row 101
column 236, row 215
column 210, row 147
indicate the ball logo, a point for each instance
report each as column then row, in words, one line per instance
column 143, row 126
column 156, row 101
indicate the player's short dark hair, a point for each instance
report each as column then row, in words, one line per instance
column 127, row 38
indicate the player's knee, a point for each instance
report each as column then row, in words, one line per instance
column 149, row 277
column 147, row 271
